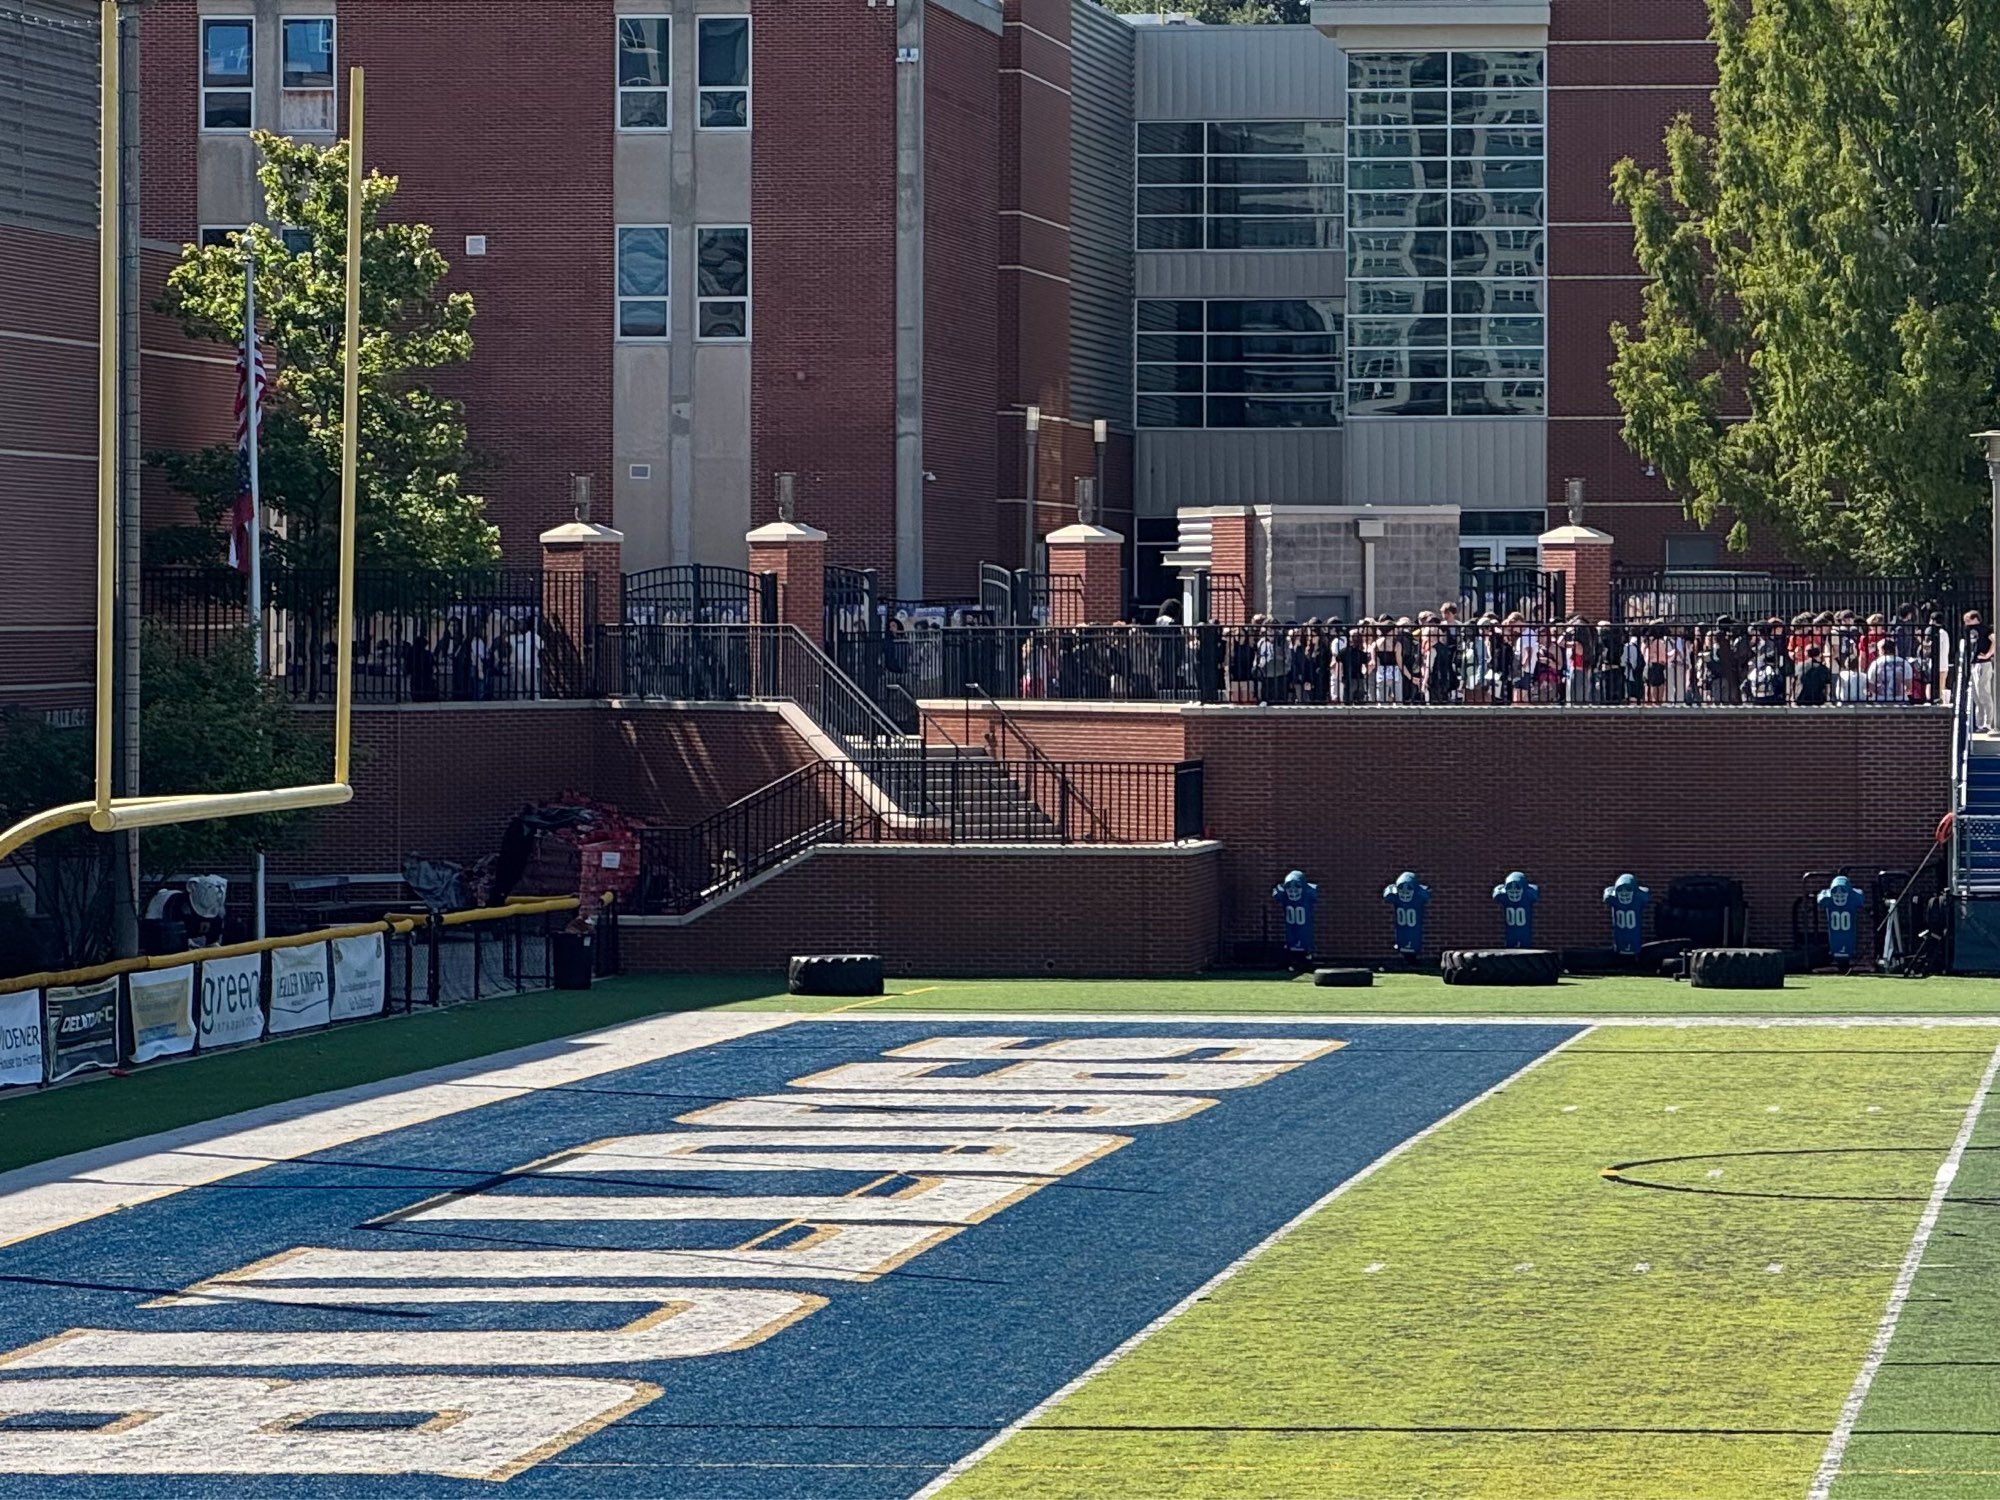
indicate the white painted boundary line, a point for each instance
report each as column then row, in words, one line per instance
column 1315, row 1018
column 51, row 1195
column 1899, row 1295
column 1208, row 1287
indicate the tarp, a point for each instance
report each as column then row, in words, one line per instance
column 359, row 972
column 161, row 1004
column 82, row 1029
column 232, row 1000
column 20, row 1039
column 299, row 994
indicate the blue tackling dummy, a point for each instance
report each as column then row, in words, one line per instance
column 1517, row 897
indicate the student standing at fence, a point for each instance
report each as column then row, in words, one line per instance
column 1815, row 681
column 1889, row 676
column 1849, row 686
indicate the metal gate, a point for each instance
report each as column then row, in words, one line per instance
column 688, row 594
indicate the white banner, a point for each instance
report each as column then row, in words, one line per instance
column 360, row 970
column 162, row 1008
column 299, row 994
column 232, row 1000
column 20, row 1039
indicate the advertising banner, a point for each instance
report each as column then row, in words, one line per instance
column 232, row 1000
column 360, row 970
column 162, row 1009
column 20, row 1039
column 300, row 998
column 82, row 1029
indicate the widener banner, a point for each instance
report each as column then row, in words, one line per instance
column 21, row 1039
column 300, row 998
column 232, row 1000
column 359, row 971
column 82, row 1028
column 162, row 1005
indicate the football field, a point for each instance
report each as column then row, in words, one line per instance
column 1026, row 1240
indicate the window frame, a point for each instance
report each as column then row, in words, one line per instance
column 331, row 89
column 203, row 231
column 1328, row 229
column 619, row 88
column 747, row 87
column 202, row 86
column 702, row 299
column 619, row 296
column 1207, row 391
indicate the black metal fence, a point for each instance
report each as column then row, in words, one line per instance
column 690, row 593
column 1787, row 593
column 941, row 798
column 1503, row 591
column 465, row 636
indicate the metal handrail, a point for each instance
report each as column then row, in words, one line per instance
column 866, row 710
column 1039, row 759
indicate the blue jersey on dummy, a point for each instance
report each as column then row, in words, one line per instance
column 1298, row 917
column 1409, row 914
column 1628, row 909
column 1517, row 913
column 1840, row 914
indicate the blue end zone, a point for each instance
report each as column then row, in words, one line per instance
column 871, row 1395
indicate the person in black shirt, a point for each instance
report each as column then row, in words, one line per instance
column 1815, row 681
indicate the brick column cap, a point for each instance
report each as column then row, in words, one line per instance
column 783, row 533
column 576, row 533
column 1575, row 536
column 1083, row 534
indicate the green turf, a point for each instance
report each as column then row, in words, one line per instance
column 99, row 1110
column 1489, row 1315
column 1426, row 995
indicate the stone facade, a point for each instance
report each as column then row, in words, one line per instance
column 1309, row 560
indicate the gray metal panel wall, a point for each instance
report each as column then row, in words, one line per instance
column 1481, row 463
column 1100, row 253
column 1237, row 468
column 1242, row 273
column 1240, row 73
column 48, row 114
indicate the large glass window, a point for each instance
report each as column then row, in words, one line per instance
column 1240, row 185
column 722, row 72
column 722, row 282
column 645, row 79
column 1447, row 238
column 228, row 73
column 1252, row 363
column 307, row 104
column 643, row 304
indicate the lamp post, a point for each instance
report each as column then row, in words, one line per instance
column 1573, row 492
column 1992, row 441
column 1034, row 426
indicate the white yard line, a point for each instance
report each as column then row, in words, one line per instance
column 1207, row 1288
column 51, row 1195
column 1325, row 1018
column 1899, row 1295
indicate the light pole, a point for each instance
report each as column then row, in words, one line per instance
column 1992, row 441
column 1034, row 426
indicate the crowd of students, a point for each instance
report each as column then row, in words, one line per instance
column 1438, row 657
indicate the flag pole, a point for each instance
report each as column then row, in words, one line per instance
column 255, row 540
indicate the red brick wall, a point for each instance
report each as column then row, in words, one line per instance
column 961, row 299
column 445, row 781
column 823, row 222
column 169, row 107
column 1573, row 798
column 1128, row 912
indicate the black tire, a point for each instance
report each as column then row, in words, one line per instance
column 845, row 974
column 1599, row 961
column 1736, row 969
column 1502, row 966
column 1344, row 979
column 1663, row 950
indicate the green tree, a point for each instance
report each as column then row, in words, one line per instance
column 1821, row 324
column 1223, row 12
column 207, row 723
column 413, row 509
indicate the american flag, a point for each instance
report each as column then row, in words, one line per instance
column 243, row 520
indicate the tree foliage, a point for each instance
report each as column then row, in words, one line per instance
column 1821, row 324
column 414, row 511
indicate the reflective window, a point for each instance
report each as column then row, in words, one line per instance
column 722, row 72
column 1241, row 185
column 228, row 73
column 722, row 282
column 643, row 304
column 645, row 78
column 1253, row 362
column 1446, row 234
column 308, row 52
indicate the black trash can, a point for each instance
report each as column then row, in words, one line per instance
column 571, row 960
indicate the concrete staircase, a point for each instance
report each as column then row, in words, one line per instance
column 978, row 798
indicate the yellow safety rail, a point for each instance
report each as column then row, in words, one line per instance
column 105, row 813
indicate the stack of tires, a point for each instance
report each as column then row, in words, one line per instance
column 1501, row 966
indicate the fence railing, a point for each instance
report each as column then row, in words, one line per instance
column 689, row 593
column 55, row 1026
column 1539, row 595
column 1786, row 592
column 465, row 636
column 938, row 799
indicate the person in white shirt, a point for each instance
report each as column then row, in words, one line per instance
column 1889, row 676
column 1849, row 686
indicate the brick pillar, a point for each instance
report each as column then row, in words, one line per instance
column 1094, row 557
column 1583, row 556
column 1229, row 557
column 582, row 578
column 797, row 554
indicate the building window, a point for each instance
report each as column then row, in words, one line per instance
column 722, row 72
column 1240, row 185
column 1268, row 363
column 228, row 73
column 645, row 56
column 219, row 234
column 643, row 304
column 1693, row 552
column 1446, row 234
column 307, row 104
column 722, row 283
